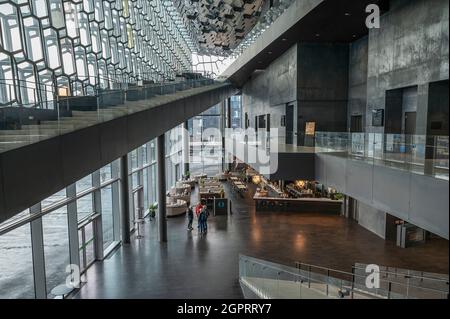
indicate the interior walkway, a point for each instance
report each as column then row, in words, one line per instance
column 192, row 266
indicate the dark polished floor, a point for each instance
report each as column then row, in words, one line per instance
column 192, row 266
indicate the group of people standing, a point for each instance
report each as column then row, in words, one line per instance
column 202, row 214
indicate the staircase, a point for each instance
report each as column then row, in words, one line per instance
column 107, row 106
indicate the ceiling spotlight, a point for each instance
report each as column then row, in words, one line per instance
column 284, row 39
column 270, row 52
column 317, row 34
column 347, row 14
column 354, row 36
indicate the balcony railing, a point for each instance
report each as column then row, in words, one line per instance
column 268, row 280
column 428, row 155
column 35, row 121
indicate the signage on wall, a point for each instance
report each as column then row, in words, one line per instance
column 221, row 206
column 310, row 128
column 378, row 117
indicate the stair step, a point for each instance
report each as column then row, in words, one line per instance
column 23, row 137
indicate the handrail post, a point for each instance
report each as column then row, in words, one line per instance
column 389, row 290
column 309, row 276
column 353, row 280
column 10, row 92
column 328, row 279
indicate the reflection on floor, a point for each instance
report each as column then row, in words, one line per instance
column 192, row 266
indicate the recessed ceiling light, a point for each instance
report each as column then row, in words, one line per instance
column 347, row 14
column 354, row 35
column 259, row 61
column 284, row 39
column 317, row 34
column 270, row 52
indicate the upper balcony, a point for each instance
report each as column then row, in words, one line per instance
column 405, row 175
column 48, row 145
column 417, row 154
column 40, row 119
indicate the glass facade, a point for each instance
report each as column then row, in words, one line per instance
column 76, row 220
column 236, row 111
column 55, row 48
column 75, row 47
column 16, row 264
column 56, row 247
column 206, row 130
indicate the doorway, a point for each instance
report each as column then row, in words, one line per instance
column 410, row 131
column 353, row 209
column 289, row 124
column 356, row 124
column 391, row 228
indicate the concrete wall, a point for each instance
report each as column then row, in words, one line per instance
column 322, row 86
column 357, row 79
column 410, row 48
column 372, row 219
column 313, row 77
column 419, row 199
column 268, row 91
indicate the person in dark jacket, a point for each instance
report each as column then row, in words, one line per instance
column 190, row 214
column 204, row 214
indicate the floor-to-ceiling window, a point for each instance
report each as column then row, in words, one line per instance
column 236, row 111
column 54, row 237
column 16, row 264
column 173, row 154
column 206, row 151
column 107, row 216
column 75, row 221
column 56, row 247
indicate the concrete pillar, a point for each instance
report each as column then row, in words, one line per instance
column 37, row 246
column 161, row 169
column 228, row 112
column 125, row 196
column 186, row 147
column 228, row 125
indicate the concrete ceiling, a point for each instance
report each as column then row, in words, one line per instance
column 337, row 21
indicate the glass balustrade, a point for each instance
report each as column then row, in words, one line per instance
column 268, row 280
column 29, row 123
column 420, row 154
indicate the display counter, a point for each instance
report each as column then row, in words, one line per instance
column 321, row 205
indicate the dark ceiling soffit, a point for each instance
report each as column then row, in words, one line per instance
column 329, row 22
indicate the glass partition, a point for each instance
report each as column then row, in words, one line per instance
column 416, row 153
column 268, row 280
column 107, row 216
column 56, row 247
column 16, row 264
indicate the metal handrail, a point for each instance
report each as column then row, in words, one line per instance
column 345, row 284
column 389, row 282
column 303, row 278
column 406, row 274
column 99, row 94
